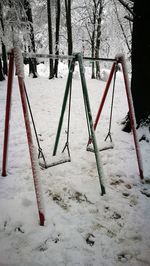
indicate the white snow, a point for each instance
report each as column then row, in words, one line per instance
column 82, row 227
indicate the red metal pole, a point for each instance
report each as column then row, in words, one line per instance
column 32, row 152
column 132, row 114
column 104, row 97
column 8, row 112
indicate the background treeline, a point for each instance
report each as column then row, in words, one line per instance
column 96, row 28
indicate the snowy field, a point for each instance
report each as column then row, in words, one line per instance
column 82, row 227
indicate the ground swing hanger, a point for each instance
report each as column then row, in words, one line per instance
column 40, row 152
column 107, row 145
column 42, row 160
column 62, row 159
column 68, row 123
column 112, row 103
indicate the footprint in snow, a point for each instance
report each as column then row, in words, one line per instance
column 133, row 200
column 124, row 256
column 90, row 239
column 146, row 192
column 26, row 202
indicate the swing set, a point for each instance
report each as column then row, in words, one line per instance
column 16, row 59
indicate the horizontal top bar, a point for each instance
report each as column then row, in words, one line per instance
column 52, row 56
column 68, row 57
column 99, row 59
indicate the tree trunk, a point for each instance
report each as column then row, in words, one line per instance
column 69, row 26
column 141, row 61
column 92, row 54
column 98, row 36
column 4, row 54
column 50, row 39
column 125, row 35
column 31, row 47
column 93, row 43
column 4, row 58
column 58, row 11
column 2, row 77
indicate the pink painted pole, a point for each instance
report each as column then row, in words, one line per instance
column 103, row 98
column 121, row 60
column 34, row 164
column 31, row 151
column 8, row 112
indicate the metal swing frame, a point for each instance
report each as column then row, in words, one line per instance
column 92, row 126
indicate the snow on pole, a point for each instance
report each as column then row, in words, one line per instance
column 32, row 150
column 18, row 58
column 121, row 59
column 38, row 186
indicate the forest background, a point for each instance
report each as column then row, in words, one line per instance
column 97, row 28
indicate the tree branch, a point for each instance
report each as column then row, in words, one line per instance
column 129, row 18
column 127, row 6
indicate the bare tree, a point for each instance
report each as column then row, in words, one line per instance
column 31, row 46
column 98, row 36
column 140, row 62
column 123, row 29
column 50, row 38
column 2, row 77
column 69, row 26
column 3, row 63
column 94, row 12
column 58, row 12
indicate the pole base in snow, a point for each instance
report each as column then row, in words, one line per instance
column 4, row 174
column 103, row 191
column 42, row 218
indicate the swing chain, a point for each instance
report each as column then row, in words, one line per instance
column 69, row 116
column 40, row 152
column 41, row 155
column 112, row 102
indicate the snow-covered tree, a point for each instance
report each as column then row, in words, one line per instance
column 3, row 63
column 31, row 41
column 57, row 33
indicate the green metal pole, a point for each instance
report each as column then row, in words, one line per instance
column 88, row 108
column 69, row 79
column 87, row 117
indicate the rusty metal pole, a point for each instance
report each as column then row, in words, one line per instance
column 121, row 60
column 8, row 112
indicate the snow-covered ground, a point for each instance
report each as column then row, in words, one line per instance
column 82, row 227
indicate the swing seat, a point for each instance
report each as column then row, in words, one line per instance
column 55, row 160
column 103, row 147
